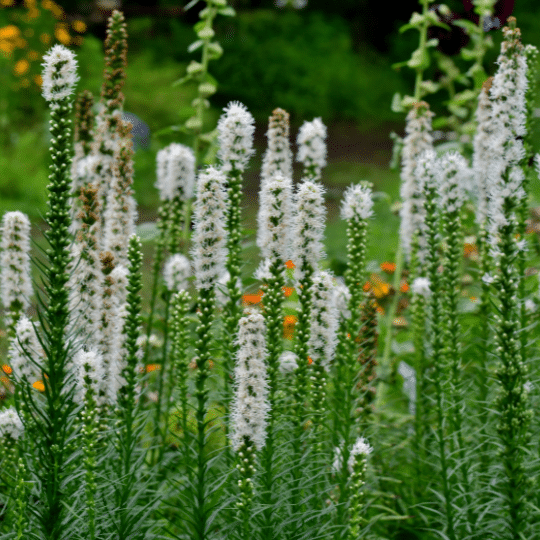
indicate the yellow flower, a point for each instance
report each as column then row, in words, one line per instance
column 33, row 55
column 38, row 80
column 62, row 35
column 21, row 67
column 45, row 38
column 79, row 26
column 9, row 32
column 33, row 13
column 6, row 47
column 38, row 385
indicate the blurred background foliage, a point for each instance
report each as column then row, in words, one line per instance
column 329, row 59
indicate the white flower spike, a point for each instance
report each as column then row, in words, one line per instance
column 59, row 73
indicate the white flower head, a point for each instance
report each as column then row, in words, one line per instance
column 209, row 235
column 288, row 362
column 452, row 171
column 488, row 279
column 59, row 73
column 308, row 232
column 88, row 373
column 357, row 202
column 421, row 286
column 175, row 168
column 530, row 305
column 176, row 272
column 278, row 157
column 361, row 448
column 275, row 218
column 341, row 297
column 324, row 320
column 25, row 353
column 235, row 128
column 16, row 282
column 250, row 405
column 311, row 142
column 263, row 271
column 10, row 424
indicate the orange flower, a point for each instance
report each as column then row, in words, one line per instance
column 6, row 369
column 79, row 26
column 152, row 367
column 62, row 35
column 4, row 380
column 470, row 250
column 400, row 322
column 38, row 385
column 404, row 287
column 474, row 299
column 379, row 287
column 388, row 267
column 290, row 265
column 287, row 291
column 367, row 286
column 379, row 308
column 9, row 32
column 21, row 67
column 38, row 80
column 288, row 326
column 309, row 360
column 252, row 299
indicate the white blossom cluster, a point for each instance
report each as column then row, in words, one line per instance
column 10, row 423
column 209, row 233
column 452, row 174
column 324, row 320
column 360, row 448
column 288, row 362
column 341, row 296
column 120, row 212
column 175, row 172
column 421, row 286
column 311, row 142
column 235, row 128
column 418, row 139
column 89, row 371
column 508, row 117
column 250, row 406
column 176, row 272
column 275, row 218
column 357, row 203
column 482, row 153
column 25, row 351
column 59, row 73
column 308, row 227
column 16, row 284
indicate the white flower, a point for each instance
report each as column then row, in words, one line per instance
column 357, row 203
column 417, row 140
column 360, row 448
column 530, row 305
column 176, row 272
column 209, row 239
column 288, row 362
column 488, row 279
column 88, row 373
column 175, row 172
column 59, row 73
column 235, row 134
column 341, row 297
column 311, row 142
column 324, row 320
column 452, row 171
column 263, row 271
column 11, row 424
column 16, row 285
column 250, row 407
column 421, row 286
column 275, row 218
column 308, row 232
column 25, row 353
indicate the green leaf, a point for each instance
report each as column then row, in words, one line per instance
column 195, row 45
column 183, row 80
column 396, row 103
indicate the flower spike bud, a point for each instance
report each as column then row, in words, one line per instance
column 309, row 226
column 235, row 134
column 250, row 406
column 16, row 283
column 360, row 448
column 59, row 73
column 176, row 272
column 311, row 141
column 209, row 233
column 175, row 172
